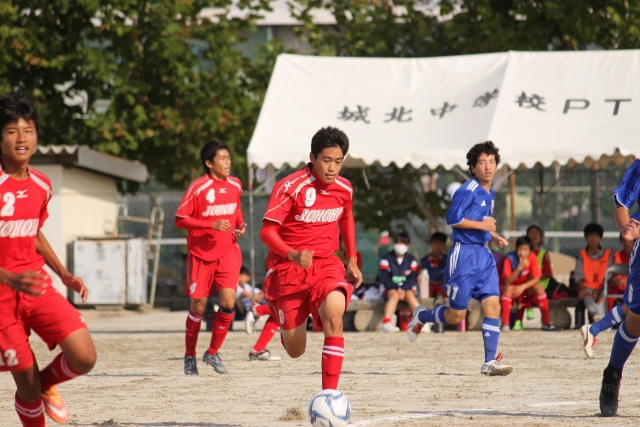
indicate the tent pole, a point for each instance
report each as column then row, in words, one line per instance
column 512, row 207
column 595, row 194
column 541, row 172
column 252, row 249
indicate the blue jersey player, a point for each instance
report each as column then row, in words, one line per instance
column 627, row 193
column 471, row 269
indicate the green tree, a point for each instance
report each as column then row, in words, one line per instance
column 414, row 28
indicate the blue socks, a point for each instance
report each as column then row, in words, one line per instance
column 246, row 303
column 623, row 345
column 490, row 335
column 435, row 315
column 611, row 319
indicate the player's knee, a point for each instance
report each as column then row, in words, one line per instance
column 294, row 352
column 84, row 362
column 197, row 307
column 334, row 324
column 456, row 317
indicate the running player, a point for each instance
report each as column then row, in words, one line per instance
column 23, row 208
column 300, row 230
column 624, row 197
column 471, row 269
column 211, row 212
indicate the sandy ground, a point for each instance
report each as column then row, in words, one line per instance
column 138, row 380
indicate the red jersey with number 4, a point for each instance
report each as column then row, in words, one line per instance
column 23, row 211
column 308, row 211
column 208, row 200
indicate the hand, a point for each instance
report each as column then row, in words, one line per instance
column 353, row 272
column 222, row 225
column 517, row 291
column 303, row 258
column 75, row 284
column 631, row 231
column 524, row 263
column 500, row 242
column 29, row 282
column 488, row 224
column 239, row 231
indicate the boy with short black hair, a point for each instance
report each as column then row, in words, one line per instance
column 397, row 274
column 434, row 262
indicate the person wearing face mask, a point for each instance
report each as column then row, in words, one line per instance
column 397, row 274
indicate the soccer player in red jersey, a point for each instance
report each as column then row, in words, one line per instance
column 211, row 212
column 25, row 193
column 300, row 230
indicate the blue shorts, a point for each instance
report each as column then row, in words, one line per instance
column 470, row 273
column 632, row 291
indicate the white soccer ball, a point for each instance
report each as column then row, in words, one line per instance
column 329, row 408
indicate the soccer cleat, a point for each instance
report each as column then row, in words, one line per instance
column 550, row 327
column 530, row 313
column 517, row 326
column 249, row 322
column 54, row 405
column 263, row 355
column 609, row 394
column 415, row 326
column 215, row 361
column 190, row 366
column 388, row 327
column 494, row 367
column 505, row 328
column 589, row 341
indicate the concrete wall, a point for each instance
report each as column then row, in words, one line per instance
column 83, row 205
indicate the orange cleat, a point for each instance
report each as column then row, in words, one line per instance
column 54, row 405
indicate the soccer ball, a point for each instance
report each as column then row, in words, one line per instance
column 329, row 408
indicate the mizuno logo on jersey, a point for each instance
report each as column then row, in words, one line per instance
column 320, row 215
column 219, row 210
column 19, row 228
column 223, row 191
column 21, row 194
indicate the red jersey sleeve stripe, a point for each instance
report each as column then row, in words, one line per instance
column 345, row 186
column 233, row 182
column 41, row 183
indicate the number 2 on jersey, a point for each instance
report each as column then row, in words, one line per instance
column 8, row 208
column 10, row 357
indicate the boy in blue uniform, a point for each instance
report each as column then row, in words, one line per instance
column 471, row 269
column 434, row 262
column 627, row 193
column 397, row 273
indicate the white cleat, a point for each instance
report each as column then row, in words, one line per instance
column 493, row 368
column 388, row 327
column 589, row 341
column 249, row 322
column 415, row 326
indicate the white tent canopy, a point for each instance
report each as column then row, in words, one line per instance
column 538, row 107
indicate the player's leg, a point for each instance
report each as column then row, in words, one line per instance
column 392, row 296
column 28, row 398
column 198, row 282
column 506, row 302
column 221, row 324
column 590, row 332
column 259, row 350
column 331, row 312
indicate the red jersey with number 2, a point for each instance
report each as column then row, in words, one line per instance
column 206, row 201
column 308, row 211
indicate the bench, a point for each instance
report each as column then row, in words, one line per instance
column 366, row 315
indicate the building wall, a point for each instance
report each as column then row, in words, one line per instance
column 83, row 205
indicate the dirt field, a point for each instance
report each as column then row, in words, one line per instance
column 138, row 380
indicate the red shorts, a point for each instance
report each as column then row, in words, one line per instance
column 294, row 292
column 203, row 275
column 436, row 290
column 15, row 352
column 50, row 315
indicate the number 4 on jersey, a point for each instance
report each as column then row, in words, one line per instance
column 211, row 196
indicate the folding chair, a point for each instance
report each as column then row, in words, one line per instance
column 611, row 270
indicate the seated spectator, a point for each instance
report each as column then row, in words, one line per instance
column 618, row 282
column 591, row 267
column 434, row 263
column 520, row 279
column 397, row 274
column 247, row 295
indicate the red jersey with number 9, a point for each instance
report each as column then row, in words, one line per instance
column 308, row 211
column 206, row 201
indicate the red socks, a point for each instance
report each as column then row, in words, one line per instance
column 31, row 414
column 332, row 357
column 191, row 336
column 219, row 331
column 543, row 303
column 506, row 302
column 262, row 309
column 268, row 331
column 57, row 372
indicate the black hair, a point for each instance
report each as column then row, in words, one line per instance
column 402, row 237
column 245, row 270
column 439, row 236
column 17, row 106
column 524, row 240
column 621, row 238
column 329, row 137
column 593, row 228
column 477, row 150
column 210, row 150
column 535, row 227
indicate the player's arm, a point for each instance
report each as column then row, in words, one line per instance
column 270, row 236
column 241, row 227
column 29, row 282
column 510, row 274
column 624, row 196
column 185, row 216
column 348, row 233
column 69, row 280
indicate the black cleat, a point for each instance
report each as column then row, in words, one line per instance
column 215, row 361
column 190, row 366
column 609, row 392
